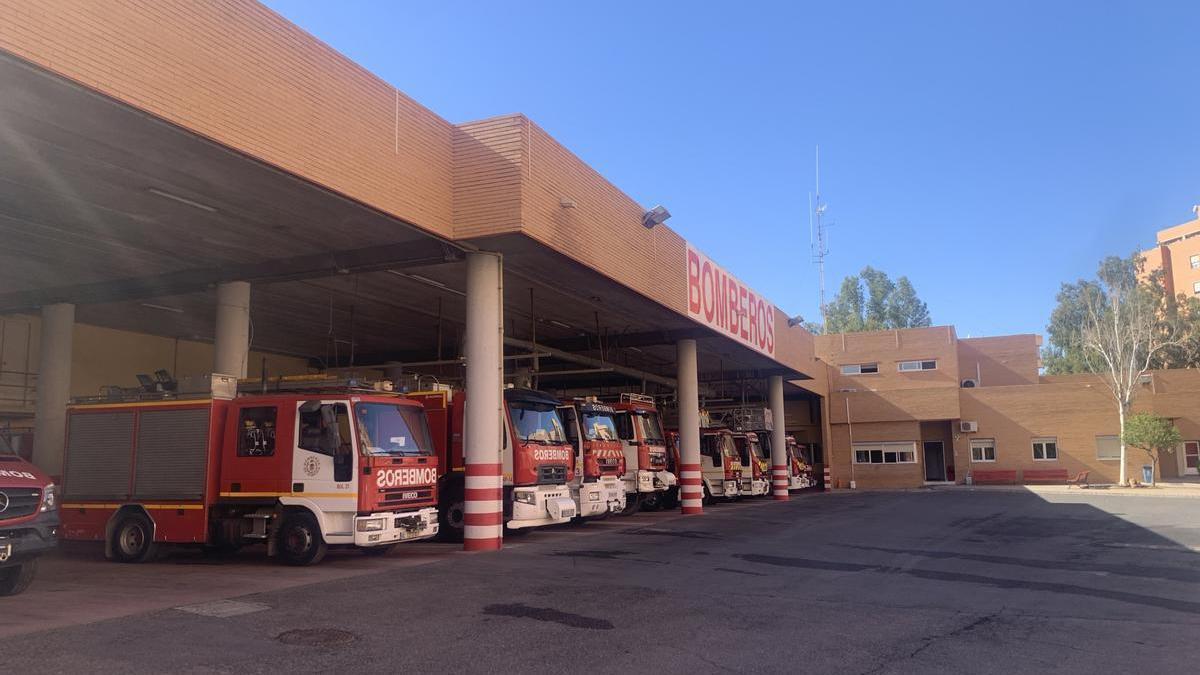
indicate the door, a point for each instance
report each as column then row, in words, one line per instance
column 324, row 458
column 1191, row 458
column 935, row 461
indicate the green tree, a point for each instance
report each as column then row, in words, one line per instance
column 871, row 300
column 1153, row 434
column 1118, row 326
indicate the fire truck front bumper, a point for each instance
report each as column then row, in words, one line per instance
column 729, row 488
column 381, row 529
column 798, row 482
column 29, row 539
column 655, row 481
column 756, row 487
column 604, row 496
column 541, row 505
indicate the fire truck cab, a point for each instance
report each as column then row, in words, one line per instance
column 757, row 481
column 536, row 458
column 799, row 470
column 28, row 519
column 317, row 462
column 645, row 446
column 599, row 458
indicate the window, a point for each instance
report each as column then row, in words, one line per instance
column 1108, row 447
column 860, row 369
column 983, row 450
column 712, row 447
column 537, row 423
column 885, row 453
column 624, row 426
column 1195, row 262
column 1196, row 287
column 1045, row 449
column 385, row 429
column 907, row 366
column 325, row 429
column 257, row 435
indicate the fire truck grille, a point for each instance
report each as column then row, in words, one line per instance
column 552, row 475
column 396, row 496
column 609, row 463
column 19, row 502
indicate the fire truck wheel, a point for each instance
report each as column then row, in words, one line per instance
column 133, row 539
column 633, row 502
column 451, row 518
column 652, row 501
column 16, row 578
column 300, row 541
column 378, row 551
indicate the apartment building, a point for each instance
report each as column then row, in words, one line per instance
column 917, row 406
column 1177, row 253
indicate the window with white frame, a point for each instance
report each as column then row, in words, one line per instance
column 1108, row 447
column 909, row 366
column 885, row 453
column 860, row 369
column 983, row 450
column 1196, row 287
column 1045, row 449
column 1195, row 262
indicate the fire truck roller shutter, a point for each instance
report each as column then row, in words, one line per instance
column 172, row 453
column 98, row 452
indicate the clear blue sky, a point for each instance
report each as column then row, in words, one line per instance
column 987, row 150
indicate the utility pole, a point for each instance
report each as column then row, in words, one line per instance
column 818, row 240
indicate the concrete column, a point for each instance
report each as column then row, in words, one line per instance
column 779, row 459
column 484, row 351
column 231, row 348
column 53, row 387
column 691, row 491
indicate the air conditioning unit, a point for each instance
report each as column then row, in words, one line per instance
column 1145, row 378
column 968, row 427
column 970, row 383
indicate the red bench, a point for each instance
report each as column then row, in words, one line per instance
column 994, row 477
column 1045, row 476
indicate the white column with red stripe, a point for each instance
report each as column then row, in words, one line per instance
column 691, row 492
column 779, row 458
column 484, row 506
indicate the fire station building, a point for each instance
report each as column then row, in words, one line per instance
column 204, row 187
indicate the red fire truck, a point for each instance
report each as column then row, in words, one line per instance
column 317, row 462
column 537, row 459
column 720, row 466
column 599, row 458
column 647, row 476
column 28, row 519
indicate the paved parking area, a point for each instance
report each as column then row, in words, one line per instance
column 865, row 583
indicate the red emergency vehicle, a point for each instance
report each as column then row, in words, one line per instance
column 316, row 463
column 647, row 476
column 537, row 459
column 757, row 481
column 599, row 457
column 720, row 466
column 28, row 519
column 799, row 470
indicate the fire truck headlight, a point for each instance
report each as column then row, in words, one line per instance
column 370, row 525
column 595, row 496
column 49, row 498
column 525, row 497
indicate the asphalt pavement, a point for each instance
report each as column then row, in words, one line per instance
column 895, row 582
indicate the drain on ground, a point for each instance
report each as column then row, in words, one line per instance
column 316, row 637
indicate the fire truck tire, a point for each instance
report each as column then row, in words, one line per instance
column 633, row 503
column 16, row 578
column 133, row 539
column 452, row 518
column 653, row 501
column 299, row 539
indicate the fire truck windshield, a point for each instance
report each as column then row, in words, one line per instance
column 649, row 428
column 599, row 427
column 537, row 423
column 388, row 429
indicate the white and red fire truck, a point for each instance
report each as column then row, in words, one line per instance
column 720, row 466
column 799, row 471
column 28, row 519
column 757, row 481
column 599, row 458
column 647, row 475
column 537, row 459
column 317, row 462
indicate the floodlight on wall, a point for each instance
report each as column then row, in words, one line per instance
column 795, row 321
column 655, row 216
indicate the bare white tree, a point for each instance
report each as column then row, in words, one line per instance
column 1123, row 329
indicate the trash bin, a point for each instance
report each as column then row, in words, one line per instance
column 1147, row 474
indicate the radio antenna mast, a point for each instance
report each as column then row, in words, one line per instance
column 818, row 240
